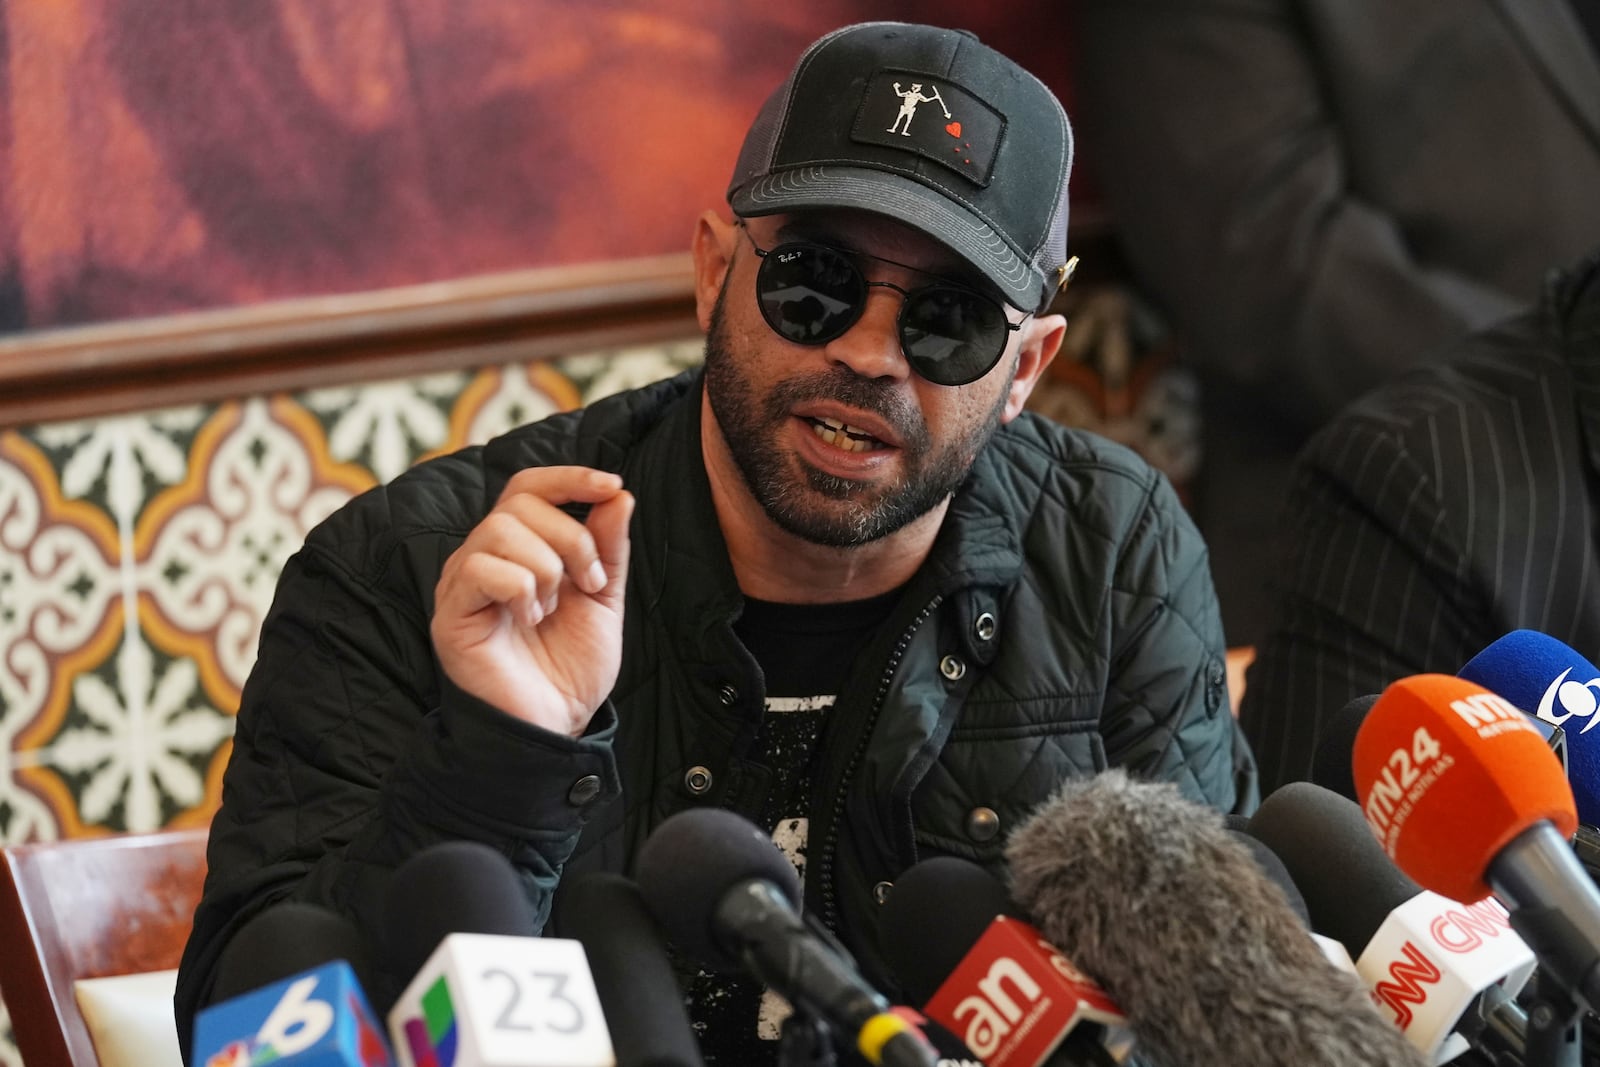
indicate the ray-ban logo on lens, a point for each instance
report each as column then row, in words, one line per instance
column 1566, row 699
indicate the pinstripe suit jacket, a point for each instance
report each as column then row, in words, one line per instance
column 1323, row 192
column 1458, row 503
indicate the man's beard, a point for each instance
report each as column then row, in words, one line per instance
column 751, row 424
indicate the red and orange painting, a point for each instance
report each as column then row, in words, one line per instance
column 201, row 154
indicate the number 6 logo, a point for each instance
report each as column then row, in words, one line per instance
column 297, row 1022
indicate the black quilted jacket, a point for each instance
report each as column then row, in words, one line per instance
column 1064, row 622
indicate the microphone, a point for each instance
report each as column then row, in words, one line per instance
column 949, row 1050
column 1273, row 867
column 1465, row 797
column 727, row 897
column 1152, row 897
column 1336, row 737
column 1330, row 764
column 960, row 946
column 286, row 991
column 1445, row 972
column 632, row 972
column 1558, row 687
column 485, row 993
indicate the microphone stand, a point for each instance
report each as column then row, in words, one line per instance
column 1555, row 1026
column 805, row 1041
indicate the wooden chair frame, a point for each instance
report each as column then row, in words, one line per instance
column 89, row 908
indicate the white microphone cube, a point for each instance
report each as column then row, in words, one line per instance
column 484, row 1000
column 1432, row 956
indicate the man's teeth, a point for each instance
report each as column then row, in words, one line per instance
column 843, row 435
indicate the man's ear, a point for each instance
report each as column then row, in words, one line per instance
column 713, row 245
column 1041, row 340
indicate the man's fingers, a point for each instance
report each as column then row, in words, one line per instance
column 608, row 524
column 570, row 540
column 535, row 494
column 484, row 579
column 520, row 552
column 563, row 485
column 534, row 536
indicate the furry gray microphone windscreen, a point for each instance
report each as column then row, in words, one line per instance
column 1152, row 897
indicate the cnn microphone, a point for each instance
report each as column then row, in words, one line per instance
column 1445, row 972
column 287, row 992
column 1150, row 895
column 727, row 897
column 1559, row 688
column 1466, row 797
column 960, row 946
column 486, row 993
column 632, row 971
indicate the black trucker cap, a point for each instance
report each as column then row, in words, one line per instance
column 932, row 128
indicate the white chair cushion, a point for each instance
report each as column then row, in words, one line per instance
column 130, row 1019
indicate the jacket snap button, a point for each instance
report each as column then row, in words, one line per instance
column 584, row 790
column 982, row 824
column 880, row 892
column 697, row 780
column 952, row 668
column 727, row 694
column 984, row 627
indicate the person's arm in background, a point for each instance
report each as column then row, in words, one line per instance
column 1376, row 585
column 355, row 750
column 1167, row 715
column 1217, row 148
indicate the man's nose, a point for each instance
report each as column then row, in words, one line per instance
column 871, row 347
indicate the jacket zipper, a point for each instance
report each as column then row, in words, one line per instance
column 830, row 905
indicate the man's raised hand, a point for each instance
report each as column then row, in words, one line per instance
column 528, row 611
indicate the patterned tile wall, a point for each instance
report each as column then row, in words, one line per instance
column 138, row 554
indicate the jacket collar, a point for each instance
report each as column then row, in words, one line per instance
column 686, row 573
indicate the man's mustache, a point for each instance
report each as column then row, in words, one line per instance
column 845, row 386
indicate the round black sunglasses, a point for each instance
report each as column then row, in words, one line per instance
column 811, row 293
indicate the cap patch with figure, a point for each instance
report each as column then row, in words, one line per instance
column 955, row 129
column 883, row 116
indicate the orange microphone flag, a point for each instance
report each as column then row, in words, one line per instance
column 1448, row 774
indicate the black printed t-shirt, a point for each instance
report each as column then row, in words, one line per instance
column 806, row 652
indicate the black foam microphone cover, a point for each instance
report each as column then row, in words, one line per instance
column 286, row 939
column 1268, row 861
column 632, row 972
column 1336, row 740
column 1349, row 884
column 1273, row 867
column 934, row 915
column 459, row 887
column 691, row 862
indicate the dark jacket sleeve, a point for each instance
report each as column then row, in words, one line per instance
column 1167, row 715
column 1374, row 585
column 352, row 752
column 1210, row 128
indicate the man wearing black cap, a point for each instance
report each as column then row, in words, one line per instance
column 839, row 582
